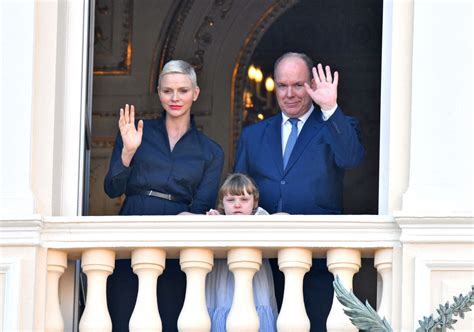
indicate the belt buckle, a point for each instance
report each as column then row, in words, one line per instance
column 150, row 192
column 168, row 197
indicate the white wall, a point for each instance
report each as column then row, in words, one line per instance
column 17, row 51
column 44, row 69
column 24, row 282
column 441, row 158
column 43, row 47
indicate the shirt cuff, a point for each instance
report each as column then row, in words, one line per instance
column 327, row 114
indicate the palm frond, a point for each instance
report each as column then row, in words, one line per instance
column 364, row 317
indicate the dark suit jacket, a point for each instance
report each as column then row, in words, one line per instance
column 313, row 179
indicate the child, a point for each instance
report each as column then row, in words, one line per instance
column 238, row 195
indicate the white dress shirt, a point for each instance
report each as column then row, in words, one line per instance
column 286, row 124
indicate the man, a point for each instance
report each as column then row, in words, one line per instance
column 297, row 159
column 299, row 168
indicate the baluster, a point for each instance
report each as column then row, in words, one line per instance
column 294, row 263
column 57, row 264
column 243, row 263
column 97, row 264
column 148, row 264
column 344, row 263
column 383, row 263
column 196, row 263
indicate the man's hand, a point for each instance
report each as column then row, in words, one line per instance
column 131, row 136
column 324, row 93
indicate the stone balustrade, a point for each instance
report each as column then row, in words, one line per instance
column 57, row 263
column 294, row 262
column 97, row 264
column 148, row 264
column 244, row 243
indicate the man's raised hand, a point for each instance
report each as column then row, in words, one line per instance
column 324, row 90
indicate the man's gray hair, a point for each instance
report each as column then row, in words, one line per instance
column 308, row 62
column 178, row 67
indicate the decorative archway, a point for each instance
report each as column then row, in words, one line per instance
column 219, row 46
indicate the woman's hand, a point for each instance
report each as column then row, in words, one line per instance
column 212, row 212
column 131, row 136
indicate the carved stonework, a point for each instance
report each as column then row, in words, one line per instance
column 100, row 204
column 149, row 114
column 113, row 37
column 223, row 6
column 103, row 142
column 174, row 30
column 243, row 61
column 203, row 35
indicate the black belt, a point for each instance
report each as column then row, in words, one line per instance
column 153, row 193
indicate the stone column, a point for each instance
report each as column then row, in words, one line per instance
column 57, row 264
column 244, row 263
column 196, row 263
column 343, row 263
column 383, row 263
column 97, row 264
column 294, row 263
column 148, row 264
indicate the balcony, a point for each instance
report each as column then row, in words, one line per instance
column 196, row 241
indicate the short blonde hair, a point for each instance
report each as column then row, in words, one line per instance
column 237, row 184
column 179, row 67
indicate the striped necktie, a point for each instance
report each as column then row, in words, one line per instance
column 291, row 140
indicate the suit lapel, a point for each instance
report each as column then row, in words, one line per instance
column 273, row 142
column 310, row 129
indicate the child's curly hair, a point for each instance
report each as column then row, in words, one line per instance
column 237, row 184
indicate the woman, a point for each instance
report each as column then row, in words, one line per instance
column 164, row 167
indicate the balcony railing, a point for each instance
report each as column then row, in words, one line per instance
column 196, row 240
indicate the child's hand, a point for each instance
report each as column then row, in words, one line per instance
column 212, row 212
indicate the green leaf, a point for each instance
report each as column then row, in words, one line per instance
column 362, row 317
column 446, row 312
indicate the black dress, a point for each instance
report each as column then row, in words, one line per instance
column 191, row 174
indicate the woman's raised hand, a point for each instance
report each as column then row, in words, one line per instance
column 131, row 136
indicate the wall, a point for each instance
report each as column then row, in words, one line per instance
column 438, row 180
column 442, row 144
column 16, row 101
column 428, row 168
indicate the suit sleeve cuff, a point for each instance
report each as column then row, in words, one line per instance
column 328, row 113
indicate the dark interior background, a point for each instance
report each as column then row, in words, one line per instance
column 346, row 35
column 130, row 37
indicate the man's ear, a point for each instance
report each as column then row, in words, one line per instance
column 313, row 84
